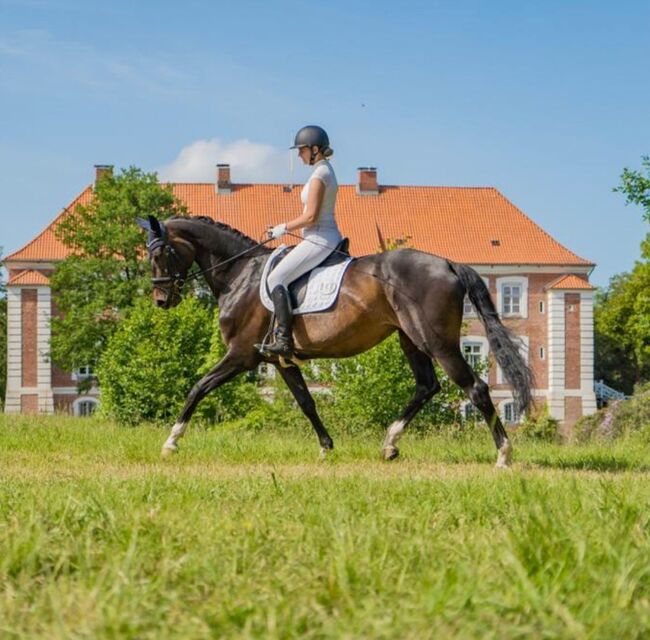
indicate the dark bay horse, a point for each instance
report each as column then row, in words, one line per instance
column 414, row 293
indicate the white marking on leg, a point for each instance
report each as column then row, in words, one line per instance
column 504, row 457
column 177, row 433
column 394, row 433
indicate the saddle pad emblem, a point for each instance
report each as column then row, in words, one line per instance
column 322, row 287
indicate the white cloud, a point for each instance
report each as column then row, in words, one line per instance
column 249, row 162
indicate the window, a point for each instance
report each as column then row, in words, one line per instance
column 512, row 296
column 84, row 407
column 471, row 413
column 475, row 351
column 82, row 373
column 266, row 371
column 542, row 355
column 510, row 413
column 541, row 306
column 468, row 307
column 511, row 300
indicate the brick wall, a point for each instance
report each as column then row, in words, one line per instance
column 29, row 336
column 29, row 403
column 572, row 340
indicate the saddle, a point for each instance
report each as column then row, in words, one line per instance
column 315, row 290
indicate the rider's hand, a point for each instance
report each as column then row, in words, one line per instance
column 275, row 232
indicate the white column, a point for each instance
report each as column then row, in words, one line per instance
column 44, row 367
column 587, row 352
column 556, row 364
column 14, row 350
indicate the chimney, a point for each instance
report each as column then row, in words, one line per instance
column 102, row 170
column 367, row 182
column 223, row 179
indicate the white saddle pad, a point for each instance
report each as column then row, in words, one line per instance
column 322, row 288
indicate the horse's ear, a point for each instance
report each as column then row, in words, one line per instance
column 144, row 224
column 155, row 226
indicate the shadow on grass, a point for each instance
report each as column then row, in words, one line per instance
column 594, row 462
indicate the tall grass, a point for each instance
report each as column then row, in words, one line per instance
column 249, row 535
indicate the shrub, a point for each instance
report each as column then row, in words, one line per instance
column 374, row 388
column 621, row 419
column 540, row 426
column 232, row 400
column 152, row 360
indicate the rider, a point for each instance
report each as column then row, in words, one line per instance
column 319, row 230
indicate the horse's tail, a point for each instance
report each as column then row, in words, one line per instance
column 502, row 343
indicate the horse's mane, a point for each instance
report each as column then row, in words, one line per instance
column 221, row 226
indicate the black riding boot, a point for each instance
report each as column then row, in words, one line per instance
column 283, row 345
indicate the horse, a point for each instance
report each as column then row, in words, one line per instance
column 417, row 294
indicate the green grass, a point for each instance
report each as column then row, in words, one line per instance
column 249, row 535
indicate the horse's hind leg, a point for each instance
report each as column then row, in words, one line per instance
column 295, row 381
column 426, row 386
column 477, row 391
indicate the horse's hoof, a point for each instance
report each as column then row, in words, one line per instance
column 168, row 451
column 390, row 453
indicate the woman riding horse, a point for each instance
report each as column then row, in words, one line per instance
column 319, row 230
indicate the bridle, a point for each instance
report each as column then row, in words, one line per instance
column 173, row 284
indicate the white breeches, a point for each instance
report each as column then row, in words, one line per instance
column 305, row 256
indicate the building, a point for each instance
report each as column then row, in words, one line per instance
column 540, row 287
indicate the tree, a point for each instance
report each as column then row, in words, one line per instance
column 106, row 271
column 622, row 311
column 3, row 338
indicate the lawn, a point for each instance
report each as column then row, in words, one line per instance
column 249, row 535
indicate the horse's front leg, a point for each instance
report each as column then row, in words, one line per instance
column 226, row 370
column 294, row 380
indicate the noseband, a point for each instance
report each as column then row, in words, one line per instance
column 172, row 283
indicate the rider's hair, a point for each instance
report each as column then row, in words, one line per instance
column 327, row 151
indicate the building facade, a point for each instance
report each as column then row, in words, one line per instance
column 540, row 287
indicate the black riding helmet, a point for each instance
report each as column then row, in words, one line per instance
column 312, row 136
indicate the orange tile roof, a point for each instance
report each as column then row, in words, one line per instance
column 465, row 224
column 28, row 277
column 46, row 246
column 570, row 282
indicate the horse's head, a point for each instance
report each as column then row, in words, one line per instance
column 171, row 257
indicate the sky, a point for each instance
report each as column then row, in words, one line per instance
column 546, row 101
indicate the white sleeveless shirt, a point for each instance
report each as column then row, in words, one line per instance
column 325, row 222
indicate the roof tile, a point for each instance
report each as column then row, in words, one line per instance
column 29, row 277
column 475, row 225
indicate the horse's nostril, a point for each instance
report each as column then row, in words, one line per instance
column 160, row 303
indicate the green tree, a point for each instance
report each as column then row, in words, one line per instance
column 3, row 337
column 622, row 311
column 106, row 270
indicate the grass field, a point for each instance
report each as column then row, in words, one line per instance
column 249, row 535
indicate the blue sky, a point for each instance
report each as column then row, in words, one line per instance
column 545, row 101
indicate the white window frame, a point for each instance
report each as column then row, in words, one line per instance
column 502, row 411
column 520, row 281
column 76, row 405
column 83, row 373
column 525, row 352
column 468, row 307
column 484, row 351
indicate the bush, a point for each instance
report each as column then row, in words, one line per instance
column 621, row 419
column 374, row 388
column 541, row 427
column 152, row 360
column 233, row 399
